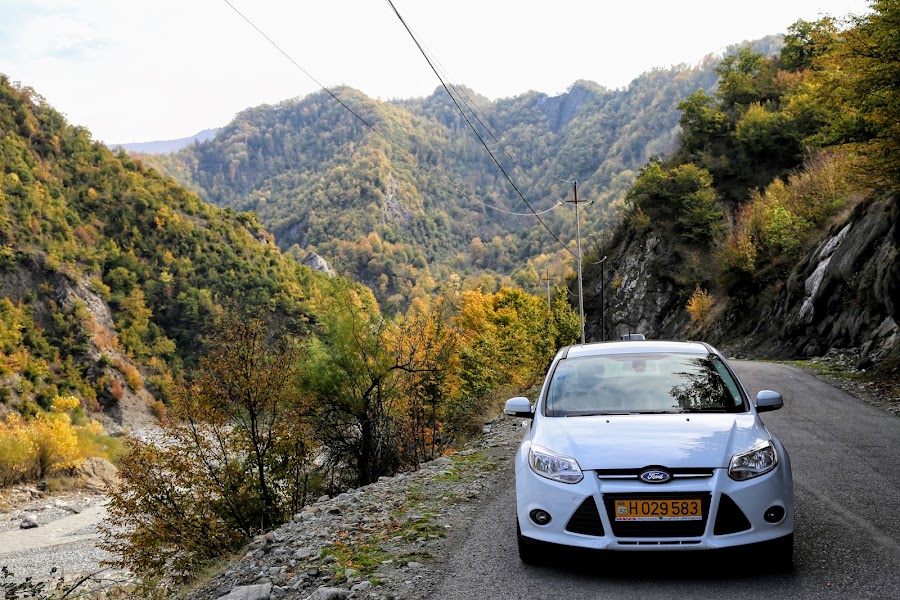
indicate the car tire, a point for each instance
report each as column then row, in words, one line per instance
column 783, row 552
column 528, row 548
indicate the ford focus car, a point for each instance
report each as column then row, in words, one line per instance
column 650, row 445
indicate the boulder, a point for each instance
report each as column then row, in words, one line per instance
column 29, row 522
column 98, row 474
column 260, row 591
column 328, row 593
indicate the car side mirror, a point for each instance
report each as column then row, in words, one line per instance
column 767, row 400
column 518, row 407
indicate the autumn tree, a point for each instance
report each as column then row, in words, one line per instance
column 859, row 81
column 508, row 339
column 362, row 368
column 234, row 439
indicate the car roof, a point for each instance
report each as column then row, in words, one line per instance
column 638, row 347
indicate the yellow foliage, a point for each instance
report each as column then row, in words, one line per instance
column 55, row 443
column 64, row 403
column 15, row 450
column 700, row 304
column 617, row 280
column 37, row 447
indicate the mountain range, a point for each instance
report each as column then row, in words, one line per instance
column 166, row 146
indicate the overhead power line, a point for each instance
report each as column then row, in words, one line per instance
column 474, row 108
column 475, row 130
column 378, row 133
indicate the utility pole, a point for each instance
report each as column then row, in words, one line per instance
column 578, row 238
column 547, row 279
column 602, row 300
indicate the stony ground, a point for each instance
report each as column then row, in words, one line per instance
column 63, row 544
column 386, row 540
column 841, row 369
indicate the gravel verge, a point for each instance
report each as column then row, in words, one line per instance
column 386, row 540
column 840, row 369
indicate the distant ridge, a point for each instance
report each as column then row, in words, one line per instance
column 167, row 146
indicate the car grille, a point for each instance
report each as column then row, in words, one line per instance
column 678, row 473
column 586, row 520
column 657, row 528
column 729, row 517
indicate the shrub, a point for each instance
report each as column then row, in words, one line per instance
column 116, row 390
column 700, row 304
column 55, row 444
column 132, row 376
column 15, row 450
column 42, row 443
column 617, row 280
column 158, row 408
column 235, row 439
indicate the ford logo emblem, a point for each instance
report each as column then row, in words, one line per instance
column 655, row 476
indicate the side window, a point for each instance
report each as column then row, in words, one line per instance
column 723, row 372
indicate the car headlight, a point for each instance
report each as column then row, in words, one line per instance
column 758, row 461
column 554, row 466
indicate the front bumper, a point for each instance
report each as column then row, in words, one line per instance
column 582, row 513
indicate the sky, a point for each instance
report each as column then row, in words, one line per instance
column 140, row 70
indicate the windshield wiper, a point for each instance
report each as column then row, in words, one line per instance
column 709, row 409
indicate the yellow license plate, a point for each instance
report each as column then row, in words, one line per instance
column 683, row 509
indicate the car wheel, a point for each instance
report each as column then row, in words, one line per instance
column 528, row 548
column 783, row 552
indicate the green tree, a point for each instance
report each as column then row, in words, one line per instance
column 684, row 195
column 806, row 41
column 859, row 80
column 702, row 122
column 360, row 368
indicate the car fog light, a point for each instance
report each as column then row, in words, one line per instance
column 773, row 514
column 541, row 517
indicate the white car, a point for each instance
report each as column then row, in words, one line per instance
column 650, row 445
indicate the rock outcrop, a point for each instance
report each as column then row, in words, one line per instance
column 846, row 291
column 29, row 278
column 98, row 474
column 640, row 293
column 844, row 294
column 317, row 263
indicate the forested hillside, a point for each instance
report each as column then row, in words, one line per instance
column 404, row 208
column 111, row 275
column 773, row 226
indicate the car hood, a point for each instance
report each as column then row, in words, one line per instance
column 634, row 441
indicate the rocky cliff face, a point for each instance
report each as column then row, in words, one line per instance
column 640, row 294
column 29, row 281
column 844, row 294
column 561, row 109
column 846, row 291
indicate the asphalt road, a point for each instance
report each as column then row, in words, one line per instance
column 846, row 463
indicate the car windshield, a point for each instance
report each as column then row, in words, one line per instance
column 642, row 383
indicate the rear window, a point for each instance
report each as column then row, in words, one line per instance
column 642, row 383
